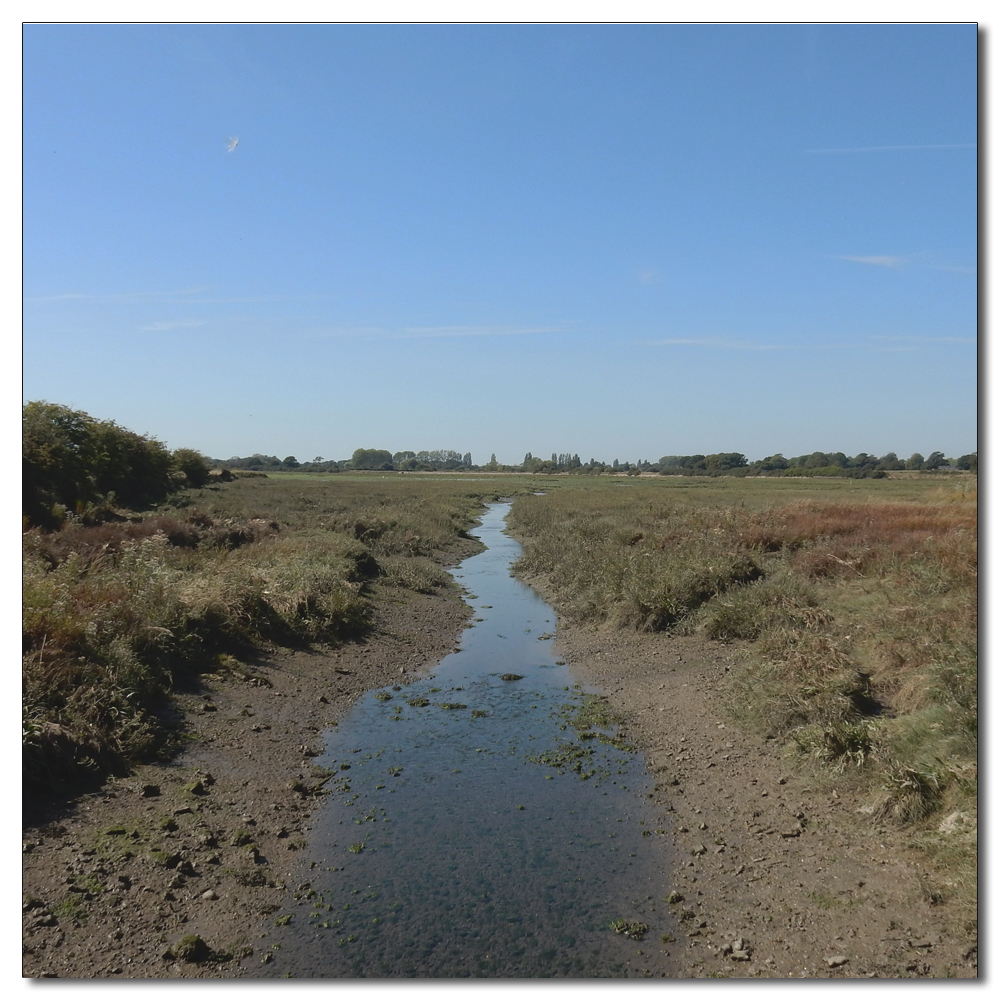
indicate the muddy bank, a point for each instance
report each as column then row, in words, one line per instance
column 781, row 875
column 202, row 848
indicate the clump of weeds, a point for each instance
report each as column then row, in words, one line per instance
column 634, row 929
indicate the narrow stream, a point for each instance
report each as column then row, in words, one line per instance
column 481, row 826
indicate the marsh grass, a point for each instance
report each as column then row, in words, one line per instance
column 853, row 610
column 117, row 614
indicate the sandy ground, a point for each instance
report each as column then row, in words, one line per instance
column 779, row 875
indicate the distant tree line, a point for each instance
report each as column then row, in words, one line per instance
column 818, row 463
column 74, row 465
column 363, row 459
column 721, row 464
column 271, row 463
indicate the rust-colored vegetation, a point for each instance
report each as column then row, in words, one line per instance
column 854, row 618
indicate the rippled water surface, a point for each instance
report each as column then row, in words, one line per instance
column 496, row 831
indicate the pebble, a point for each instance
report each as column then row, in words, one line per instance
column 835, row 961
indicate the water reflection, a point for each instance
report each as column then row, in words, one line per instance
column 480, row 826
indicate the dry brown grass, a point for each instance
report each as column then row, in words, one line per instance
column 858, row 633
column 117, row 614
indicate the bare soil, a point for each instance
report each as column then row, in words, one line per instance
column 780, row 874
column 206, row 844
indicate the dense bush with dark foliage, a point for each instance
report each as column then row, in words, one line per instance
column 73, row 463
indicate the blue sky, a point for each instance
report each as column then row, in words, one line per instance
column 621, row 241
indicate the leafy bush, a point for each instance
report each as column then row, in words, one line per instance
column 193, row 464
column 70, row 460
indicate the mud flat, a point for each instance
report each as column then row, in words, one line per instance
column 781, row 876
column 126, row 881
column 181, row 870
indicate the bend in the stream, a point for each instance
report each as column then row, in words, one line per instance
column 483, row 821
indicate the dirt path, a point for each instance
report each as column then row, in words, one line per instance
column 781, row 876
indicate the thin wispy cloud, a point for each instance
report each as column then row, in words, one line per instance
column 720, row 343
column 926, row 340
column 176, row 324
column 182, row 294
column 879, row 260
column 649, row 277
column 872, row 344
column 188, row 296
column 423, row 332
column 894, row 149
column 923, row 261
column 477, row 331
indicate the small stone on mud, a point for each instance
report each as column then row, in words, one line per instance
column 835, row 961
column 738, row 951
column 210, row 894
column 150, row 791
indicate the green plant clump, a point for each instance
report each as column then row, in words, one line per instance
column 634, row 929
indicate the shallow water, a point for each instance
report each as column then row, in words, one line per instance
column 445, row 850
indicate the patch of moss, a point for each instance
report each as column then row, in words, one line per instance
column 71, row 908
column 191, row 948
column 634, row 929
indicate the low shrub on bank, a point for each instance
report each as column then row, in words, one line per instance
column 73, row 465
column 111, row 626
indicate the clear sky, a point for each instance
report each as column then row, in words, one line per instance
column 621, row 241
